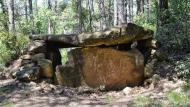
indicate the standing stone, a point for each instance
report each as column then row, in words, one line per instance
column 68, row 76
column 46, row 68
column 108, row 67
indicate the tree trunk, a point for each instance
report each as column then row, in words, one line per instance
column 79, row 15
column 109, row 21
column 55, row 6
column 148, row 10
column 90, row 8
column 121, row 12
column 30, row 9
column 50, row 24
column 138, row 7
column 26, row 10
column 142, row 6
column 5, row 13
column 115, row 13
column 103, row 22
column 36, row 6
column 10, row 4
column 31, row 15
column 132, row 10
column 49, row 4
column 162, row 6
column 129, row 6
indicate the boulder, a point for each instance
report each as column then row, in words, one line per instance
column 109, row 67
column 15, row 65
column 38, row 57
column 68, row 76
column 59, row 76
column 37, row 46
column 28, row 72
column 46, row 68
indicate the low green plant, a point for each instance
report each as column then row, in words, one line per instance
column 183, row 68
column 142, row 101
column 8, row 103
column 109, row 98
column 177, row 99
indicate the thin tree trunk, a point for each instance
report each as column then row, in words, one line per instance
column 50, row 24
column 148, row 10
column 90, row 8
column 30, row 9
column 138, row 7
column 10, row 5
column 142, row 5
column 115, row 13
column 132, row 10
column 31, row 15
column 55, row 6
column 109, row 13
column 5, row 13
column 129, row 6
column 121, row 12
column 26, row 10
column 36, row 5
column 79, row 15
column 162, row 6
column 103, row 22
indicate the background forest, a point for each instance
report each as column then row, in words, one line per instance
column 170, row 19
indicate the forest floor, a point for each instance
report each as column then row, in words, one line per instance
column 161, row 91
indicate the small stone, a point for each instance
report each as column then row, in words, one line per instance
column 26, row 57
column 127, row 90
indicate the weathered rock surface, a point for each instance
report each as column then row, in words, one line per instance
column 116, row 35
column 28, row 72
column 46, row 68
column 68, row 76
column 37, row 46
column 108, row 67
column 38, row 57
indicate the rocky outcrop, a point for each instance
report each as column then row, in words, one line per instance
column 114, row 58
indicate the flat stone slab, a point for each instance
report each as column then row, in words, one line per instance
column 126, row 33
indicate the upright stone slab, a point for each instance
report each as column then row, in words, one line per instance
column 108, row 67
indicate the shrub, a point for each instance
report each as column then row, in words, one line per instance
column 183, row 68
column 11, row 46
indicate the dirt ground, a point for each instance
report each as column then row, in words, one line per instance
column 19, row 94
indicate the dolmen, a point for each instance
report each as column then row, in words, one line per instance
column 113, row 58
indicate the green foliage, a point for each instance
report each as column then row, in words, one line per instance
column 8, row 104
column 174, row 33
column 183, row 68
column 142, row 101
column 147, row 23
column 177, row 99
column 64, row 56
column 109, row 98
column 11, row 46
